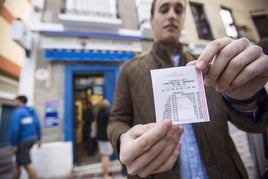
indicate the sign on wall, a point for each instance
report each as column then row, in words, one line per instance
column 51, row 114
column 53, row 42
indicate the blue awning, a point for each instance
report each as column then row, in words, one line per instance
column 87, row 55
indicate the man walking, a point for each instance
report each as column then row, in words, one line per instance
column 24, row 132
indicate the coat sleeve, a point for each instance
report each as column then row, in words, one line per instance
column 256, row 124
column 120, row 119
column 221, row 111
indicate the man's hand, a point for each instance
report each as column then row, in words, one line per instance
column 150, row 148
column 235, row 67
column 14, row 148
column 39, row 144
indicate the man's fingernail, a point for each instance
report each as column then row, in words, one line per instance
column 200, row 64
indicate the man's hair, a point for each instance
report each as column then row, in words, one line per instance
column 153, row 7
column 22, row 99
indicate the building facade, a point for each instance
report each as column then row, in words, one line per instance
column 12, row 56
column 77, row 49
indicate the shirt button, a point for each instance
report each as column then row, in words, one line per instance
column 191, row 149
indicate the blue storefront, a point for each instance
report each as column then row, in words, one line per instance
column 90, row 72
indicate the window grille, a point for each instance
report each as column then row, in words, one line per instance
column 93, row 8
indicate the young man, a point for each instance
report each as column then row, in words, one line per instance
column 234, row 73
column 105, row 148
column 24, row 132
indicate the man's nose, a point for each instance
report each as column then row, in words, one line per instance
column 172, row 14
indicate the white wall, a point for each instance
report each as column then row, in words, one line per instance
column 52, row 160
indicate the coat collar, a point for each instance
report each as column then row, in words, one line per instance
column 163, row 59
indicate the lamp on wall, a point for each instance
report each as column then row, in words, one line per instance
column 37, row 9
column 21, row 34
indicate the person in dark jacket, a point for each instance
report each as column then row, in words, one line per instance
column 105, row 147
column 88, row 117
column 234, row 71
column 24, row 132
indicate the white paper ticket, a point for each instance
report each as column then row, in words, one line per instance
column 179, row 95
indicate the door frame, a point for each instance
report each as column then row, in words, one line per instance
column 109, row 71
column 264, row 17
column 6, row 111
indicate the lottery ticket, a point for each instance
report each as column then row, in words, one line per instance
column 179, row 95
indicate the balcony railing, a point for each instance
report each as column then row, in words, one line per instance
column 89, row 15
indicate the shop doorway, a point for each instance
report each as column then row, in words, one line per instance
column 83, row 82
column 88, row 92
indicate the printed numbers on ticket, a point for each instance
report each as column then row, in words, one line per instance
column 179, row 95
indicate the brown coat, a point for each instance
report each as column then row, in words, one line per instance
column 134, row 104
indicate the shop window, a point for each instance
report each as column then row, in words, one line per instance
column 228, row 22
column 202, row 24
column 261, row 23
column 94, row 8
column 143, row 10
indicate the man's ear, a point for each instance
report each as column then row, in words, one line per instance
column 151, row 22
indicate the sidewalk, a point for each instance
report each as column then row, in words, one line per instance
column 94, row 171
column 6, row 161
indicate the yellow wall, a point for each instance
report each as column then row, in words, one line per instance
column 242, row 13
column 19, row 8
column 9, row 48
column 241, row 10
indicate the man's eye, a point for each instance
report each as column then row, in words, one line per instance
column 164, row 10
column 179, row 10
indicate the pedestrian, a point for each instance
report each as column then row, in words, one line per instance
column 88, row 117
column 204, row 30
column 105, row 147
column 25, row 131
column 234, row 72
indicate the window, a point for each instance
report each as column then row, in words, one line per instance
column 228, row 22
column 261, row 23
column 202, row 24
column 95, row 8
column 143, row 10
column 143, row 13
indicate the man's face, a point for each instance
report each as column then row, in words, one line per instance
column 16, row 103
column 168, row 19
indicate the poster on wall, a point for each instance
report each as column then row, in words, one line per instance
column 51, row 114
